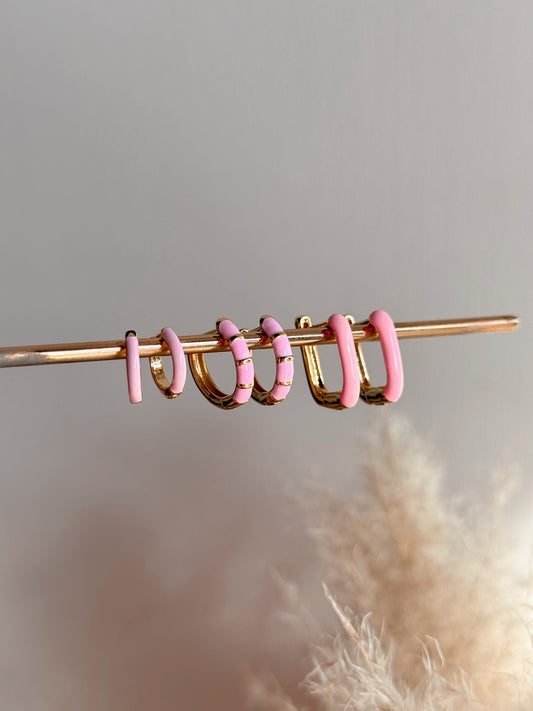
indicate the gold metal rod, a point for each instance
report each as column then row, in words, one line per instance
column 207, row 343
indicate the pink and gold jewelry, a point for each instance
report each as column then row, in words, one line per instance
column 340, row 326
column 179, row 365
column 274, row 333
column 133, row 367
column 383, row 325
column 230, row 335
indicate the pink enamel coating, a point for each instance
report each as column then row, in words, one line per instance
column 281, row 347
column 384, row 327
column 240, row 351
column 351, row 386
column 133, row 369
column 179, row 362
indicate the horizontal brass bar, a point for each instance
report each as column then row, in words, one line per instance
column 207, row 343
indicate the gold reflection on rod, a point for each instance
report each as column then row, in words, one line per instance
column 206, row 343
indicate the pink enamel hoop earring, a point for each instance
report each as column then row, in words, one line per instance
column 383, row 325
column 133, row 367
column 179, row 365
column 341, row 327
column 229, row 334
column 274, row 333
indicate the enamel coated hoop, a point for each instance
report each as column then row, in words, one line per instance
column 383, row 325
column 133, row 367
column 229, row 334
column 341, row 326
column 274, row 333
column 179, row 365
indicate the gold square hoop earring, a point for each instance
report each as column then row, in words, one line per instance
column 341, row 327
column 381, row 323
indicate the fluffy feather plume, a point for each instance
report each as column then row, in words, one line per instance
column 430, row 619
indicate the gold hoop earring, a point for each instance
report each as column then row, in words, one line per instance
column 169, row 389
column 382, row 324
column 273, row 332
column 340, row 326
column 228, row 334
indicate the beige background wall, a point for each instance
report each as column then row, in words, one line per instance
column 167, row 163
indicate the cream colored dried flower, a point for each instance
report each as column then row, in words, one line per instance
column 430, row 618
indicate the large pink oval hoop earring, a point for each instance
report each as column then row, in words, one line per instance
column 341, row 326
column 133, row 367
column 342, row 329
column 383, row 325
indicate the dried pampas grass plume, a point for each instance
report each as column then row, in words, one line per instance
column 430, row 618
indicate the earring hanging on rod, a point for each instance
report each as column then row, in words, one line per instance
column 275, row 334
column 133, row 367
column 229, row 334
column 179, row 365
column 383, row 325
column 340, row 327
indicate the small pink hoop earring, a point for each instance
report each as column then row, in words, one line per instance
column 281, row 346
column 383, row 325
column 133, row 367
column 229, row 334
column 179, row 365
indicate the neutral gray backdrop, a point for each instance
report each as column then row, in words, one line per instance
column 167, row 163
